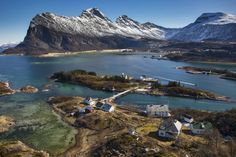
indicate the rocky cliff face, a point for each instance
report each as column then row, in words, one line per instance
column 93, row 30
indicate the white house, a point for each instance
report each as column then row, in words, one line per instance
column 143, row 77
column 89, row 101
column 107, row 107
column 158, row 111
column 126, row 77
column 170, row 128
column 200, row 128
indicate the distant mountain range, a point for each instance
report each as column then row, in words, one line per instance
column 209, row 26
column 93, row 30
column 7, row 46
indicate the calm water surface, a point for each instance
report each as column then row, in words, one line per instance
column 32, row 109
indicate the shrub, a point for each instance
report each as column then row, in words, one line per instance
column 92, row 73
column 173, row 84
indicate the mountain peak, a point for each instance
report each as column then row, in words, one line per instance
column 124, row 17
column 216, row 18
column 215, row 14
column 94, row 12
column 125, row 20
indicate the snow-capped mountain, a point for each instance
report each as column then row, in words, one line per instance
column 209, row 26
column 94, row 23
column 7, row 46
column 93, row 30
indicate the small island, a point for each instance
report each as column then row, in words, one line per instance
column 141, row 85
column 5, row 89
column 29, row 89
column 223, row 73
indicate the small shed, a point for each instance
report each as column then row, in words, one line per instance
column 107, row 107
column 187, row 118
column 89, row 101
column 89, row 109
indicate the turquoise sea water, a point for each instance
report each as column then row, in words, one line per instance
column 49, row 133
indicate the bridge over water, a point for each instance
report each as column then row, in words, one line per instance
column 120, row 94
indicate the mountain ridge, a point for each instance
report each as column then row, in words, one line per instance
column 7, row 46
column 209, row 26
column 49, row 32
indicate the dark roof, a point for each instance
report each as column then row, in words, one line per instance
column 99, row 104
column 88, row 98
column 187, row 116
column 168, row 125
column 106, row 107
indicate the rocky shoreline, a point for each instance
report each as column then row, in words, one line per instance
column 17, row 148
column 85, row 52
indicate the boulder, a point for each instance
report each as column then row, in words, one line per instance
column 5, row 89
column 29, row 89
column 6, row 123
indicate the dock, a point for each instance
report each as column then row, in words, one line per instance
column 167, row 79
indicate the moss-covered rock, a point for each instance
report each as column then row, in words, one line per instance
column 19, row 149
column 29, row 89
column 6, row 123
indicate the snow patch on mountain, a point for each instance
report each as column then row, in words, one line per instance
column 94, row 23
column 8, row 45
column 209, row 26
column 216, row 18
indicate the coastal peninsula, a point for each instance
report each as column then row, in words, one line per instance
column 128, row 131
column 138, row 85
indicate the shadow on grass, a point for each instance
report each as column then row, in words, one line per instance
column 187, row 132
column 155, row 135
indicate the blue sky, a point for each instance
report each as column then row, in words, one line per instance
column 15, row 15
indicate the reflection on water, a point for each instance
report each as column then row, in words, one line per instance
column 37, row 126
